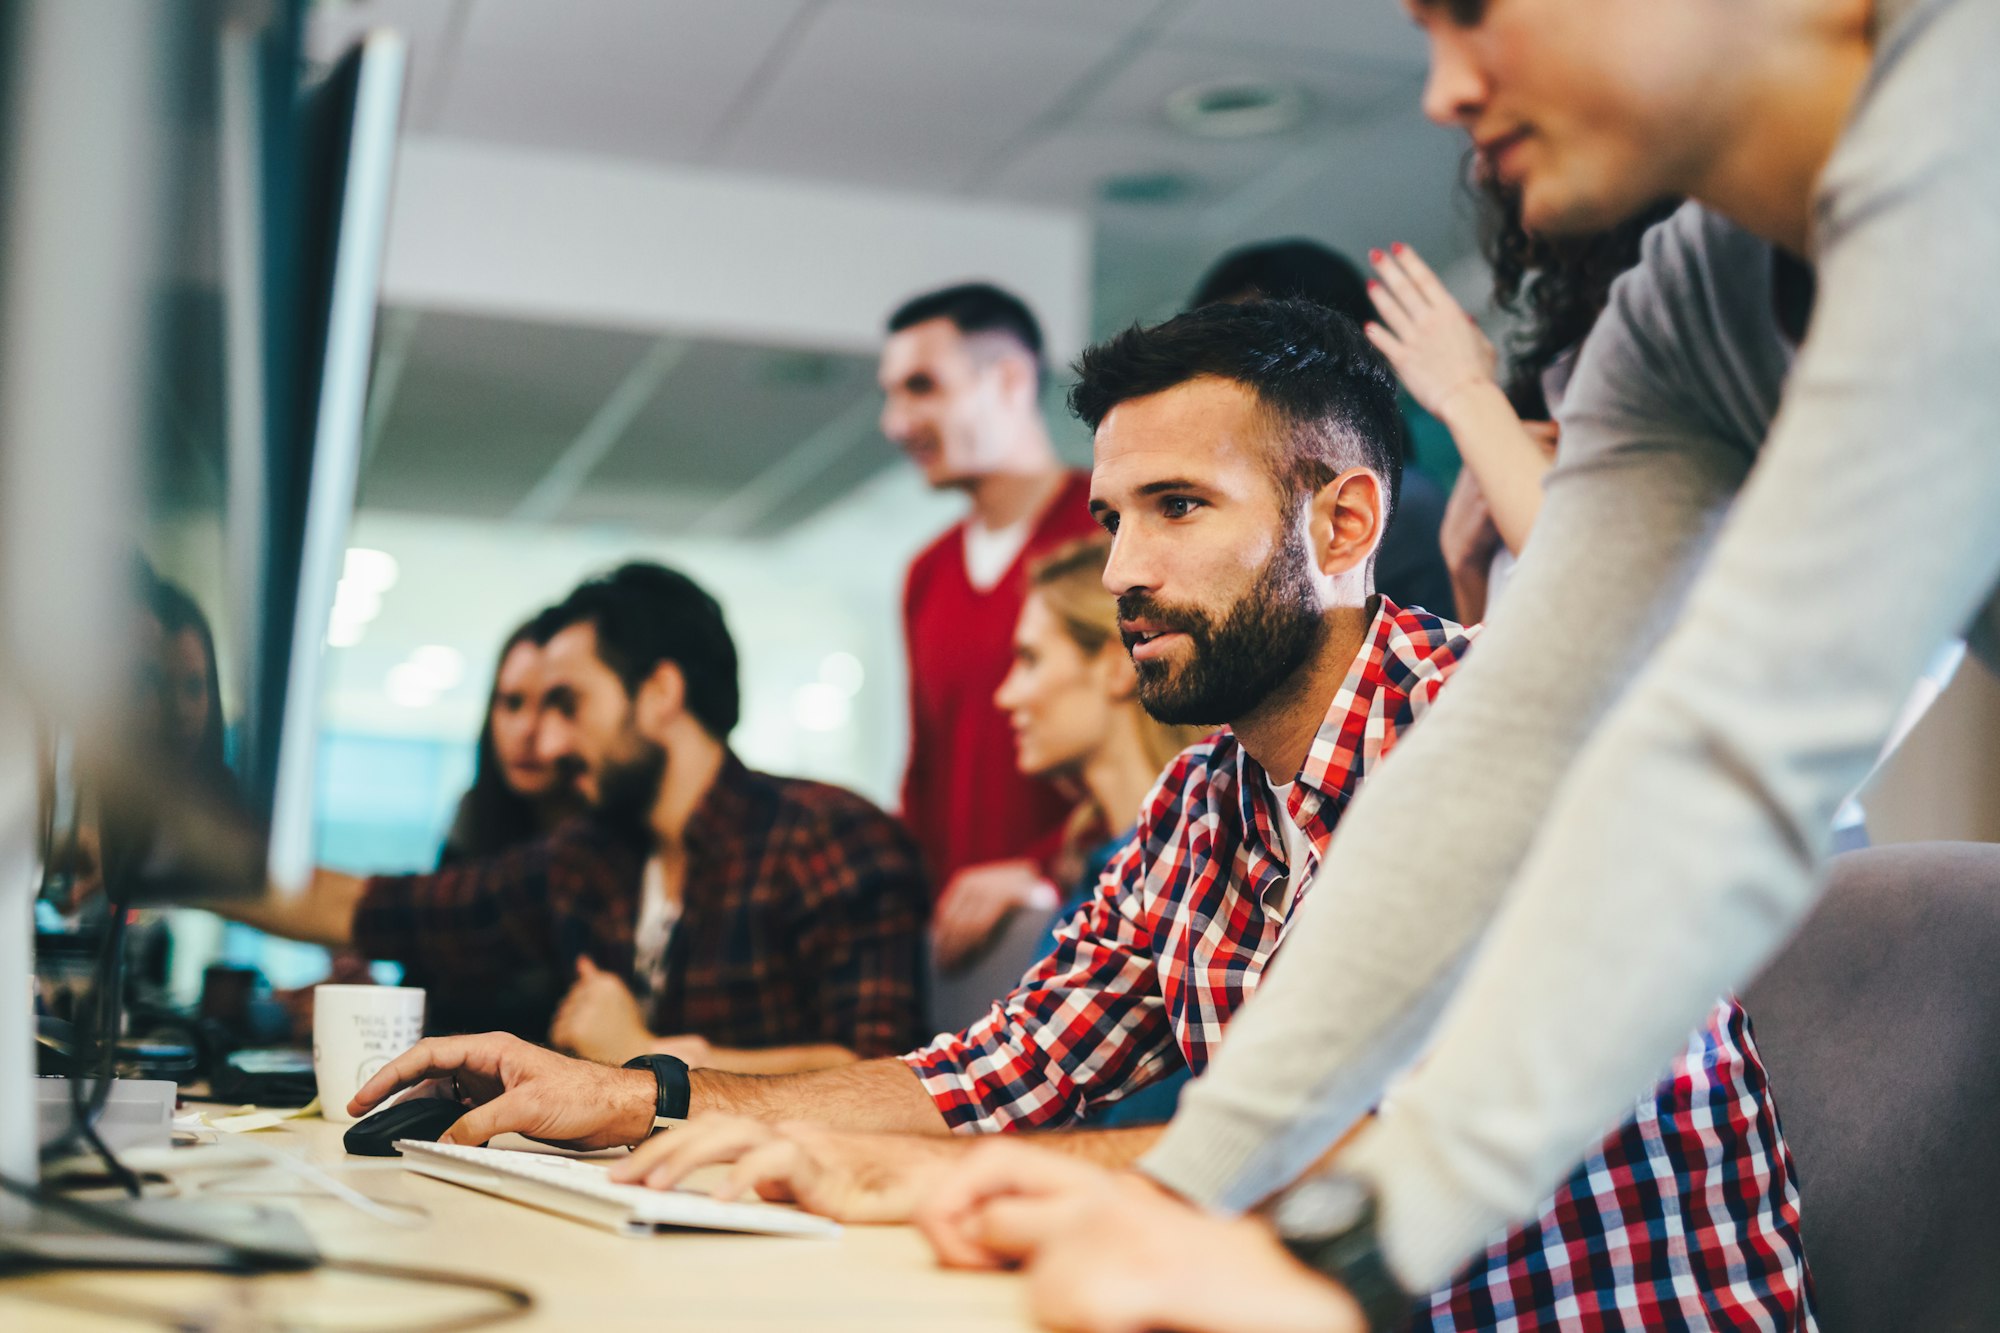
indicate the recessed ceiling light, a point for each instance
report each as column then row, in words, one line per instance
column 1237, row 108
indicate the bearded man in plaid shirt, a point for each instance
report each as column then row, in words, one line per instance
column 1246, row 462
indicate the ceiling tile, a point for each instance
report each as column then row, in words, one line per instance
column 1393, row 180
column 1071, row 167
column 916, row 96
column 726, row 414
column 625, row 78
column 1110, row 16
column 484, row 406
column 1360, row 29
column 1337, row 90
column 842, row 475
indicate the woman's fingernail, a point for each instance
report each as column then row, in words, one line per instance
column 1376, row 256
column 1398, row 247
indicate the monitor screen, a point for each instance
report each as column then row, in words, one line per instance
column 187, row 774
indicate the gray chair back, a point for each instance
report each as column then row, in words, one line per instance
column 961, row 997
column 1880, row 1025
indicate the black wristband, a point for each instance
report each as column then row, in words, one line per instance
column 670, row 1073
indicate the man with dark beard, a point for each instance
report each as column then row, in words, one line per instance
column 757, row 923
column 1246, row 461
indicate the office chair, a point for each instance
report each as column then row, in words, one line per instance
column 1880, row 1026
column 960, row 998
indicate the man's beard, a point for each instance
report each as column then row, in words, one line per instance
column 1234, row 663
column 628, row 787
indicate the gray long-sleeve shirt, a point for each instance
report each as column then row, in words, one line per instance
column 1744, row 560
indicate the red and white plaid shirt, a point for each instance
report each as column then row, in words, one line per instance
column 1686, row 1216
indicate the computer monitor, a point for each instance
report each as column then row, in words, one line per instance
column 189, row 262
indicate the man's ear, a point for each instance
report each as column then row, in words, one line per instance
column 1345, row 522
column 661, row 699
column 1018, row 377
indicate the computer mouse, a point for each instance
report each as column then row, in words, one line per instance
column 412, row 1118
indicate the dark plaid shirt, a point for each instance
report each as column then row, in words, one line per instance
column 802, row 921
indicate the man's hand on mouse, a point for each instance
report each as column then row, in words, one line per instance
column 515, row 1086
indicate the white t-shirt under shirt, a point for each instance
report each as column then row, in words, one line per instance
column 990, row 552
column 658, row 915
column 1298, row 854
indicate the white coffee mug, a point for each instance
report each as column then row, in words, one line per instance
column 357, row 1030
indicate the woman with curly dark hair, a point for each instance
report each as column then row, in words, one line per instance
column 1502, row 425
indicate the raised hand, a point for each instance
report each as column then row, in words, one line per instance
column 1433, row 345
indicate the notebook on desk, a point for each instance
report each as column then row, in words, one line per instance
column 580, row 1189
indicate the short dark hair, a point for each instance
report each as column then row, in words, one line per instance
column 1290, row 270
column 646, row 614
column 976, row 307
column 1312, row 368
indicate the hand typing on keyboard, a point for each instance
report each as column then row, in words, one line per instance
column 512, row 1086
column 848, row 1176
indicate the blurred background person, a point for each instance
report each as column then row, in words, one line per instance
column 1503, row 420
column 753, row 922
column 516, row 795
column 961, row 376
column 1071, row 700
column 516, row 798
column 191, row 718
column 1410, row 565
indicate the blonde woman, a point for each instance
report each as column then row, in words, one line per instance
column 1072, row 698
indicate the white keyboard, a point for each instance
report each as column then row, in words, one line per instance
column 579, row 1189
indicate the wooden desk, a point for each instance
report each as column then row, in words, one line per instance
column 582, row 1277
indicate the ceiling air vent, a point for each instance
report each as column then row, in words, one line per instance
column 1237, row 108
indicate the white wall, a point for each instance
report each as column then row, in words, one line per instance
column 831, row 586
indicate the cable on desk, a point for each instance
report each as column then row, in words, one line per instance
column 100, row 1048
column 407, row 1215
column 250, row 1260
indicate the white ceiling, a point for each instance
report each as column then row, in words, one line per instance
column 1035, row 101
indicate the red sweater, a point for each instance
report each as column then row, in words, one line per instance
column 962, row 795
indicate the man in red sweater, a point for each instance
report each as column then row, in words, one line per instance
column 961, row 377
